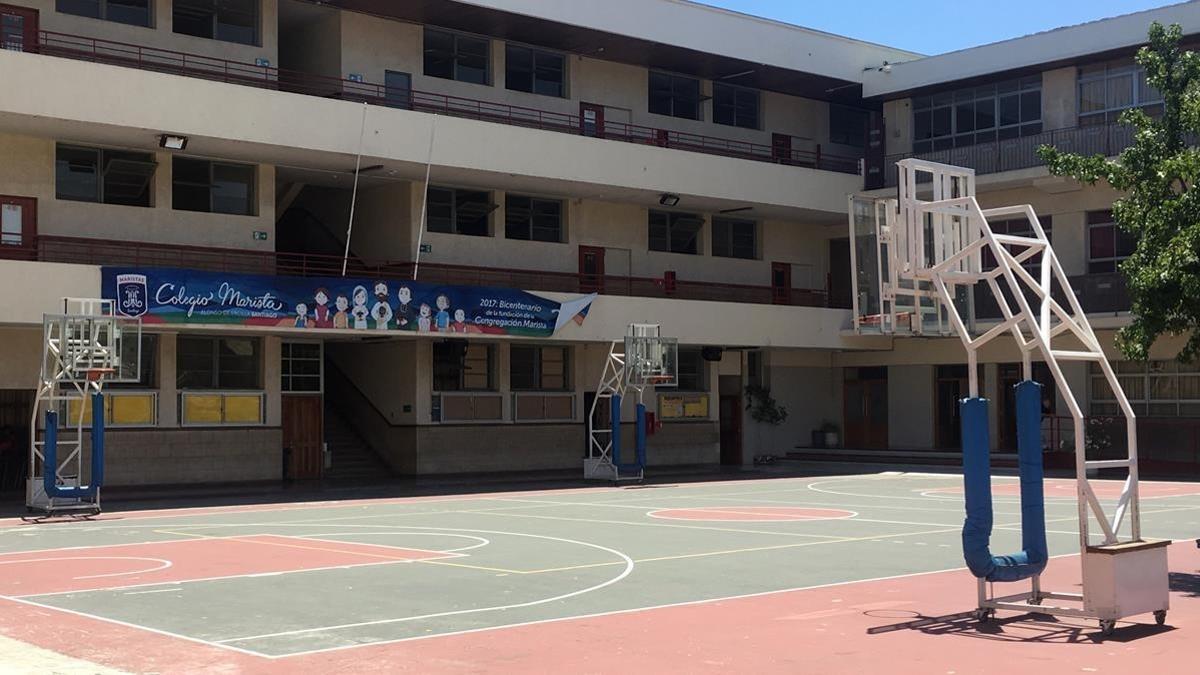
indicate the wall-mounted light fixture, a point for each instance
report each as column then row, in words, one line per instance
column 668, row 199
column 173, row 142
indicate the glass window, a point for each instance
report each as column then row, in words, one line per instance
column 848, row 126
column 692, row 370
column 1108, row 89
column 1020, row 227
column 1154, row 388
column 454, row 56
column 1108, row 244
column 226, row 20
column 218, row 363
column 212, row 187
column 533, row 219
column 147, row 358
column 300, row 367
column 977, row 115
column 534, row 71
column 455, row 211
column 107, row 176
column 735, row 106
column 675, row 232
column 735, row 238
column 132, row 12
column 539, row 368
column 459, row 365
column 674, row 95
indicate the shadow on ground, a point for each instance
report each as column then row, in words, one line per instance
column 1031, row 627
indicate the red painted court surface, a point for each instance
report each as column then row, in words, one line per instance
column 855, row 574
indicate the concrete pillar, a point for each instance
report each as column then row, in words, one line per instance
column 911, row 407
column 272, row 353
column 168, row 393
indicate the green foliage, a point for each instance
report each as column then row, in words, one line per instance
column 1157, row 175
column 763, row 407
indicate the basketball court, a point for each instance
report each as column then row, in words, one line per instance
column 830, row 574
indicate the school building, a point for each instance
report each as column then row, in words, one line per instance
column 504, row 163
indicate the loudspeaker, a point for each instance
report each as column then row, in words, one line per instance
column 712, row 353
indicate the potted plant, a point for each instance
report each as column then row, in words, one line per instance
column 829, row 434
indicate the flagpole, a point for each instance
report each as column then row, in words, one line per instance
column 354, row 193
column 424, row 199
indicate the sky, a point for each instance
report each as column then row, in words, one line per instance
column 936, row 26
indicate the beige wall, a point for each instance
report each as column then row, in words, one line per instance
column 31, row 289
column 160, row 35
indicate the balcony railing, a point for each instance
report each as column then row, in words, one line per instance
column 269, row 77
column 1097, row 293
column 1021, row 153
column 85, row 251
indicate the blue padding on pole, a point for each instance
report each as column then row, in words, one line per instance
column 977, row 487
column 640, row 437
column 97, row 478
column 615, row 422
column 50, row 455
column 1029, row 459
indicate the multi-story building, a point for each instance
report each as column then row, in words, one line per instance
column 688, row 165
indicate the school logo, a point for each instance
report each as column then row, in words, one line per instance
column 132, row 298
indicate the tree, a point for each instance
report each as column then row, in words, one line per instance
column 1160, row 205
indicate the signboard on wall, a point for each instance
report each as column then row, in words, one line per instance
column 682, row 406
column 178, row 296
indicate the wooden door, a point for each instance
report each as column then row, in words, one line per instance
column 18, row 28
column 731, row 430
column 591, row 120
column 781, row 283
column 591, row 269
column 781, row 148
column 303, row 435
column 18, row 226
column 865, row 409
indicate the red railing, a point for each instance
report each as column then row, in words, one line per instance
column 1165, row 444
column 86, row 251
column 269, row 77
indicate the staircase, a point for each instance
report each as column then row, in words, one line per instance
column 353, row 460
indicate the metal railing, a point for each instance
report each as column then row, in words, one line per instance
column 269, row 77
column 1021, row 153
column 1104, row 293
column 1164, row 443
column 87, row 251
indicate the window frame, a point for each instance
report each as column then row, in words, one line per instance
column 721, row 240
column 539, row 368
column 838, row 112
column 701, row 382
column 251, row 198
column 255, row 41
column 673, row 219
column 732, row 108
column 534, row 54
column 489, row 357
column 455, row 205
column 148, row 375
column 103, row 159
column 512, row 225
column 287, row 378
column 1103, row 219
column 456, row 55
column 215, row 344
column 1149, row 374
column 102, row 13
column 673, row 97
column 1106, row 73
column 950, row 104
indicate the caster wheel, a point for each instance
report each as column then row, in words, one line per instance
column 1107, row 626
column 1035, row 601
column 984, row 615
column 1160, row 617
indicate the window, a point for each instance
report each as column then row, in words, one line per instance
column 132, row 12
column 1154, row 388
column 226, row 20
column 459, row 365
column 213, row 187
column 147, row 357
column 675, row 232
column 735, row 106
column 533, row 219
column 675, row 95
column 301, row 367
column 218, row 363
column 455, row 211
column 977, row 115
column 735, row 238
column 539, row 368
column 534, row 71
column 693, row 370
column 847, row 126
column 1108, row 89
column 1108, row 244
column 105, row 176
column 454, row 56
column 1019, row 227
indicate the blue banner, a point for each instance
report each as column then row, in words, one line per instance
column 179, row 296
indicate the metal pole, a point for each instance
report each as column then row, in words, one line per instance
column 354, row 193
column 424, row 199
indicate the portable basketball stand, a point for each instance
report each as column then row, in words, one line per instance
column 83, row 347
column 916, row 261
column 643, row 360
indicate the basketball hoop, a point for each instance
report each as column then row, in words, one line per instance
column 97, row 374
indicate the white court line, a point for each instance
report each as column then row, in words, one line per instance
column 318, row 537
column 629, row 564
column 726, row 510
column 164, row 564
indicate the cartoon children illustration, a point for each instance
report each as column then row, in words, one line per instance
column 424, row 322
column 321, row 314
column 341, row 319
column 360, row 311
column 381, row 311
column 460, row 322
column 404, row 312
column 301, row 315
column 443, row 315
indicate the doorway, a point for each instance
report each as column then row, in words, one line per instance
column 397, row 89
column 18, row 28
column 865, row 408
column 731, row 430
column 591, row 120
column 18, row 226
column 591, row 269
column 841, row 289
column 303, row 433
column 1010, row 376
column 781, row 283
column 781, row 148
column 951, row 385
column 16, row 407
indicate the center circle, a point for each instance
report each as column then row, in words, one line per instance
column 751, row 514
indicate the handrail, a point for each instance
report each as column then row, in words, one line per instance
column 100, row 50
column 89, row 251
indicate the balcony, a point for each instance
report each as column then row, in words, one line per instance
column 84, row 251
column 1021, row 153
column 1097, row 294
column 268, row 77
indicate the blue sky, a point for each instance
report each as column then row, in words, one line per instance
column 936, row 26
